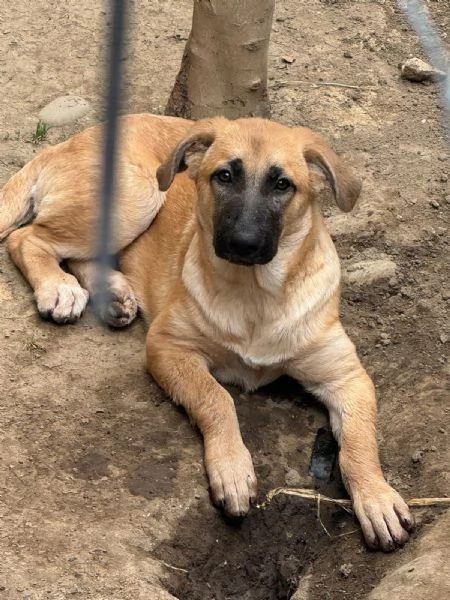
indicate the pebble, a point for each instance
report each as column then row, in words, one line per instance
column 407, row 292
column 345, row 570
column 447, row 199
column 415, row 69
column 444, row 338
column 292, row 478
column 444, row 177
column 434, row 203
column 445, row 295
column 385, row 339
column 417, row 456
column 422, row 305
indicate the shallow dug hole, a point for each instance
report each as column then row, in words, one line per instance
column 263, row 556
column 260, row 558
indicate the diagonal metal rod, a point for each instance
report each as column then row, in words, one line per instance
column 115, row 68
column 434, row 47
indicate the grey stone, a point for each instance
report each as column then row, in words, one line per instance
column 368, row 271
column 415, row 69
column 64, row 110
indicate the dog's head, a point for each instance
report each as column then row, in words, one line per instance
column 254, row 181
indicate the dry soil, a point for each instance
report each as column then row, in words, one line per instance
column 102, row 490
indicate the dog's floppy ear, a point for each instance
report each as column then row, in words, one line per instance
column 344, row 183
column 188, row 153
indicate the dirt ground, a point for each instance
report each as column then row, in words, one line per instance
column 102, row 490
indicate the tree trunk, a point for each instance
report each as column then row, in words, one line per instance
column 224, row 66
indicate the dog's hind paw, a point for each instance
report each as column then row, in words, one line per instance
column 62, row 302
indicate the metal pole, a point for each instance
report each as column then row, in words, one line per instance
column 115, row 68
column 419, row 18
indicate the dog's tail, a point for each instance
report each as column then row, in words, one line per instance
column 17, row 203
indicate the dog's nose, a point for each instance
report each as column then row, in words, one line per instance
column 244, row 242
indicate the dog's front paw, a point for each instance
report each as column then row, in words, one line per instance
column 384, row 516
column 232, row 478
column 62, row 302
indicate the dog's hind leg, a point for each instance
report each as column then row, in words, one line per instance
column 58, row 294
column 122, row 306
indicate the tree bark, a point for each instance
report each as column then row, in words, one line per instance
column 224, row 66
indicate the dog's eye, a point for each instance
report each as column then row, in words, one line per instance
column 282, row 184
column 224, row 176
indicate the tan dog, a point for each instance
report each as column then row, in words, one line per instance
column 237, row 275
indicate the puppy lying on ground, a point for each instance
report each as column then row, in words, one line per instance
column 237, row 276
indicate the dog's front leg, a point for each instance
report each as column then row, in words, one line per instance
column 331, row 370
column 183, row 374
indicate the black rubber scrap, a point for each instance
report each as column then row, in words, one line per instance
column 324, row 454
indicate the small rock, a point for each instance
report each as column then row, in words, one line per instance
column 447, row 199
column 434, row 203
column 288, row 59
column 417, row 456
column 5, row 293
column 64, row 110
column 292, row 478
column 345, row 570
column 445, row 295
column 407, row 292
column 348, row 54
column 444, row 338
column 444, row 177
column 386, row 341
column 433, row 448
column 393, row 281
column 368, row 271
column 415, row 69
column 422, row 305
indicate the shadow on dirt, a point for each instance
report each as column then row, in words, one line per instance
column 263, row 556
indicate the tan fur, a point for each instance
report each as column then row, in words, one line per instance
column 210, row 319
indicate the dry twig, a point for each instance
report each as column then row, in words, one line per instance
column 346, row 504
column 280, row 84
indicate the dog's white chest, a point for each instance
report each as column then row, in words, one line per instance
column 266, row 345
column 261, row 324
